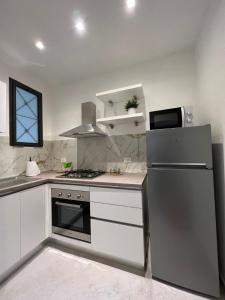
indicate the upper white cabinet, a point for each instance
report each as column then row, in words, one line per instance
column 115, row 116
column 2, row 106
column 33, row 215
column 9, row 231
column 122, row 94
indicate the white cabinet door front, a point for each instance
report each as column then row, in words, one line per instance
column 32, row 218
column 118, row 240
column 9, row 231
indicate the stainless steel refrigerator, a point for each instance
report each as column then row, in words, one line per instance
column 183, row 239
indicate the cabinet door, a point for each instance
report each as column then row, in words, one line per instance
column 117, row 240
column 9, row 231
column 32, row 218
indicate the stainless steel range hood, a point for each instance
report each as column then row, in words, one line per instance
column 88, row 128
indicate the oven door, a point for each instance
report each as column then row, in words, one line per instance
column 71, row 218
column 168, row 118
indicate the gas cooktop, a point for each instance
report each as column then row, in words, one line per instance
column 82, row 173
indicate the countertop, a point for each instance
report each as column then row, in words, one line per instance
column 133, row 181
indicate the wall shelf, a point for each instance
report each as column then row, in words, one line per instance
column 121, row 94
column 123, row 119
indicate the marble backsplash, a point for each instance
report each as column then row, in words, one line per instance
column 92, row 153
column 109, row 152
column 13, row 159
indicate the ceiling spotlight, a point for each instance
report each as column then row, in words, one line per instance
column 40, row 45
column 80, row 26
column 130, row 4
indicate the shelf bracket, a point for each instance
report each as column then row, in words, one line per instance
column 136, row 123
column 111, row 126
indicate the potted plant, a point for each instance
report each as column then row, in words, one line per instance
column 131, row 105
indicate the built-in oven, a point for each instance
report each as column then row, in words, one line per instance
column 71, row 214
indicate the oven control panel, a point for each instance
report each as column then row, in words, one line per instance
column 71, row 195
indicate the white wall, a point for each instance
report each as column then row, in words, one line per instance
column 168, row 82
column 210, row 58
column 7, row 71
column 211, row 72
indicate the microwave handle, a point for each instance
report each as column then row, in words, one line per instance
column 68, row 205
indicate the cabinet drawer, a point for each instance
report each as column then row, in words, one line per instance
column 121, row 197
column 32, row 219
column 119, row 241
column 123, row 214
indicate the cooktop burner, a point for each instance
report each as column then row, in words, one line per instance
column 82, row 173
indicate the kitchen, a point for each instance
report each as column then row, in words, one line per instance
column 84, row 75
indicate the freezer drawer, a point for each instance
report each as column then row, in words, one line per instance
column 183, row 228
column 180, row 146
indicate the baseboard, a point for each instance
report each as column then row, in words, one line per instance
column 92, row 255
column 12, row 271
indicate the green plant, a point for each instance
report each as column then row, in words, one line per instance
column 132, row 103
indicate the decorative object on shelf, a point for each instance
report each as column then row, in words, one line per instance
column 132, row 105
column 26, row 127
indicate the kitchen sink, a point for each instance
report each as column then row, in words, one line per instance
column 13, row 181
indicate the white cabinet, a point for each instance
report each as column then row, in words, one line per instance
column 117, row 224
column 130, row 198
column 33, row 209
column 123, row 214
column 119, row 241
column 9, row 231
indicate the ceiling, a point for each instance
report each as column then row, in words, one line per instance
column 114, row 38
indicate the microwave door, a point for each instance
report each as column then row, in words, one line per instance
column 169, row 118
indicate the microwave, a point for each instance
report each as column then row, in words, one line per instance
column 171, row 118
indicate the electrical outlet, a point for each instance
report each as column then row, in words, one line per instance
column 127, row 160
column 63, row 160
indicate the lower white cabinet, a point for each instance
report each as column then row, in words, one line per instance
column 9, row 231
column 32, row 218
column 118, row 240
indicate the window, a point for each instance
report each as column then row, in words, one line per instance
column 25, row 115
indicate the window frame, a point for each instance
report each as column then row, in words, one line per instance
column 13, row 84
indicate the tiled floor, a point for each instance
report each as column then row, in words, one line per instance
column 56, row 275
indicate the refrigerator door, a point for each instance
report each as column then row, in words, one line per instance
column 183, row 228
column 191, row 147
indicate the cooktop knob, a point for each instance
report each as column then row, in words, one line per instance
column 69, row 195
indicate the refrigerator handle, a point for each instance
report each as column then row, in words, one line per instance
column 179, row 165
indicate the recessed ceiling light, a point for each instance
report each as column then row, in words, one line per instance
column 80, row 26
column 40, row 45
column 130, row 4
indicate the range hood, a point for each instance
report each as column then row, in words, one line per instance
column 88, row 128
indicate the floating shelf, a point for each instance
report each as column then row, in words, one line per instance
column 122, row 94
column 123, row 119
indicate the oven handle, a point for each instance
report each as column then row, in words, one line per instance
column 68, row 205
